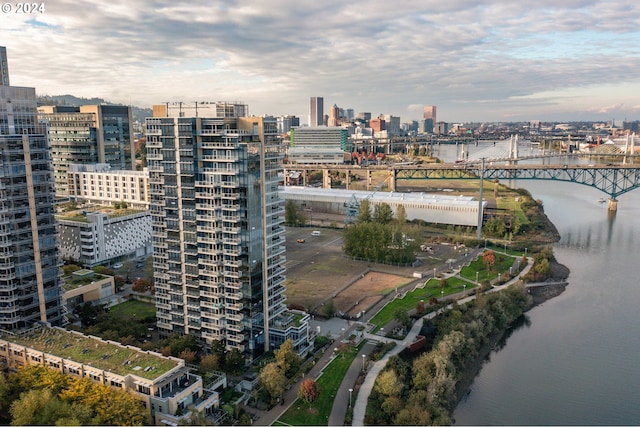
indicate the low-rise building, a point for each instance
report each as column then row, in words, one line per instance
column 94, row 236
column 164, row 384
column 86, row 286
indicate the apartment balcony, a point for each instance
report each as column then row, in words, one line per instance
column 234, row 327
column 154, row 132
column 236, row 296
column 209, row 315
column 230, row 184
column 237, row 338
column 235, row 307
column 234, row 274
column 231, row 218
column 231, row 230
column 229, row 196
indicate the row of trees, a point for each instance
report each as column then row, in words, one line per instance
column 275, row 376
column 378, row 236
column 423, row 392
column 39, row 395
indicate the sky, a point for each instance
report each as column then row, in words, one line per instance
column 498, row 60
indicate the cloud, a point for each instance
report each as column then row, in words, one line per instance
column 475, row 60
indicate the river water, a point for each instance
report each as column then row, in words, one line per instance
column 575, row 360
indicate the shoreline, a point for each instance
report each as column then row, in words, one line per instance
column 471, row 371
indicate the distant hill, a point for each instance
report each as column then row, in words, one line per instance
column 139, row 114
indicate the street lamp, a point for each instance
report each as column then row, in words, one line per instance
column 485, row 243
column 364, row 358
column 477, row 272
column 464, row 289
column 525, row 251
column 434, row 272
column 350, row 391
column 442, row 293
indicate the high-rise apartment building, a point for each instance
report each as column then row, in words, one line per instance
column 217, row 228
column 88, row 134
column 316, row 111
column 30, row 290
column 4, row 67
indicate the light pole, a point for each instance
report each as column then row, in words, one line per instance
column 477, row 272
column 350, row 391
column 525, row 251
column 464, row 289
column 510, row 271
column 505, row 248
column 485, row 243
column 434, row 272
column 364, row 358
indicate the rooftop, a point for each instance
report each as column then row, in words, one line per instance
column 80, row 215
column 381, row 196
column 95, row 352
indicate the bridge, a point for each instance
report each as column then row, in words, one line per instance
column 613, row 180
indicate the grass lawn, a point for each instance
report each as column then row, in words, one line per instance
column 317, row 413
column 134, row 308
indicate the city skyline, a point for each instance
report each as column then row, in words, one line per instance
column 488, row 61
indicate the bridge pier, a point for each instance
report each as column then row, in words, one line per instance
column 612, row 205
column 326, row 179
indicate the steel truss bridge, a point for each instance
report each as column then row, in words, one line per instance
column 613, row 180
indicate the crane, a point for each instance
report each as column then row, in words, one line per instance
column 353, row 205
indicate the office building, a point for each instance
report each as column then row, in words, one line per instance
column 88, row 134
column 4, row 67
column 316, row 112
column 30, row 290
column 217, row 228
column 430, row 113
column 285, row 123
column 326, row 145
column 334, row 116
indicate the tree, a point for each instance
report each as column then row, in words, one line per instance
column 401, row 215
column 141, row 285
column 402, row 317
column 273, row 380
column 420, row 308
column 382, row 213
column 364, row 212
column 489, row 259
column 287, row 358
column 329, row 309
column 388, row 383
column 290, row 213
column 308, row 390
column 36, row 407
column 209, row 363
column 187, row 355
column 234, row 363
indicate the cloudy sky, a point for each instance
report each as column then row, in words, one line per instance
column 499, row 60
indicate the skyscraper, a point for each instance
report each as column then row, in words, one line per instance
column 217, row 228
column 88, row 134
column 429, row 117
column 30, row 290
column 316, row 111
column 4, row 67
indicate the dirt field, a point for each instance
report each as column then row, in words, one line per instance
column 365, row 292
column 316, row 271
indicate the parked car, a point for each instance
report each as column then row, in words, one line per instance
column 300, row 240
column 139, row 265
column 117, row 265
column 315, row 233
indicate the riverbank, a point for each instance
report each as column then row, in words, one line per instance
column 539, row 296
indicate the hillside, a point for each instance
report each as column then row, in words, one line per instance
column 138, row 113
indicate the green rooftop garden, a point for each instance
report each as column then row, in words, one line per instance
column 96, row 353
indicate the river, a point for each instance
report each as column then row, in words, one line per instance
column 575, row 359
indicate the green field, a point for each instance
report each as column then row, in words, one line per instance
column 134, row 308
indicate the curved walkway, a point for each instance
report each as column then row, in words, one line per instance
column 360, row 405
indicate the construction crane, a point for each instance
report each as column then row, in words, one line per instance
column 353, row 205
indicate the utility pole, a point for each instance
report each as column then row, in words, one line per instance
column 480, row 213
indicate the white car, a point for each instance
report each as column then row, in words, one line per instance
column 315, row 233
column 117, row 265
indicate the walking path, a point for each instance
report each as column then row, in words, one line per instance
column 342, row 402
column 360, row 405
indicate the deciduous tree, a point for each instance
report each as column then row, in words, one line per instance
column 287, row 358
column 308, row 390
column 388, row 383
column 273, row 380
column 489, row 259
